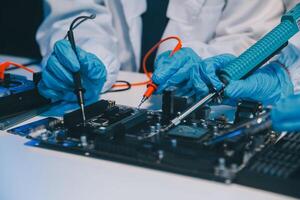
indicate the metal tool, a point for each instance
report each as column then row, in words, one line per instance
column 79, row 90
column 151, row 87
column 253, row 58
column 186, row 113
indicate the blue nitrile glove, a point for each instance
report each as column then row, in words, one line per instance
column 268, row 85
column 186, row 70
column 286, row 114
column 174, row 70
column 57, row 80
column 203, row 78
column 289, row 55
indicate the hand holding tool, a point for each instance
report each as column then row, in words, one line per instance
column 79, row 90
column 252, row 58
column 152, row 86
column 285, row 115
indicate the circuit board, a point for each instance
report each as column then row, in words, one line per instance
column 243, row 150
column 19, row 99
column 18, row 94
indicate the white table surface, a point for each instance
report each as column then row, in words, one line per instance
column 28, row 173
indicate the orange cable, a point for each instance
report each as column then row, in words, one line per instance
column 6, row 64
column 148, row 74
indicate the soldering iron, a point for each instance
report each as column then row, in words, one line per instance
column 79, row 90
column 253, row 58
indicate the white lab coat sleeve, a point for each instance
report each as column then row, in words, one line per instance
column 290, row 58
column 243, row 23
column 289, row 4
column 294, row 72
column 96, row 36
column 216, row 27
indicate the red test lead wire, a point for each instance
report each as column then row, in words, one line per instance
column 5, row 65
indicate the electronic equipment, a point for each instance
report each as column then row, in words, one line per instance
column 244, row 65
column 185, row 137
column 18, row 95
column 238, row 146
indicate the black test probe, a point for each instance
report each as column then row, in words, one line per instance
column 79, row 90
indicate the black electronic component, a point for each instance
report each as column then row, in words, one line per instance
column 247, row 110
column 276, row 168
column 174, row 104
column 168, row 102
column 17, row 95
column 72, row 119
column 118, row 129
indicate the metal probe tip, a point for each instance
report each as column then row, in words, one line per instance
column 167, row 128
column 82, row 113
column 142, row 101
column 80, row 100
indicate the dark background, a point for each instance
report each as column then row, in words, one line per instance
column 19, row 20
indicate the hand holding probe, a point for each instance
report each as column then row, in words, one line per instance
column 252, row 58
column 79, row 90
column 151, row 87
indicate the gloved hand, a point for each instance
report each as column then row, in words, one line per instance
column 285, row 115
column 57, row 80
column 186, row 70
column 174, row 70
column 268, row 85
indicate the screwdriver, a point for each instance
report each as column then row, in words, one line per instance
column 79, row 90
column 250, row 60
column 152, row 87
